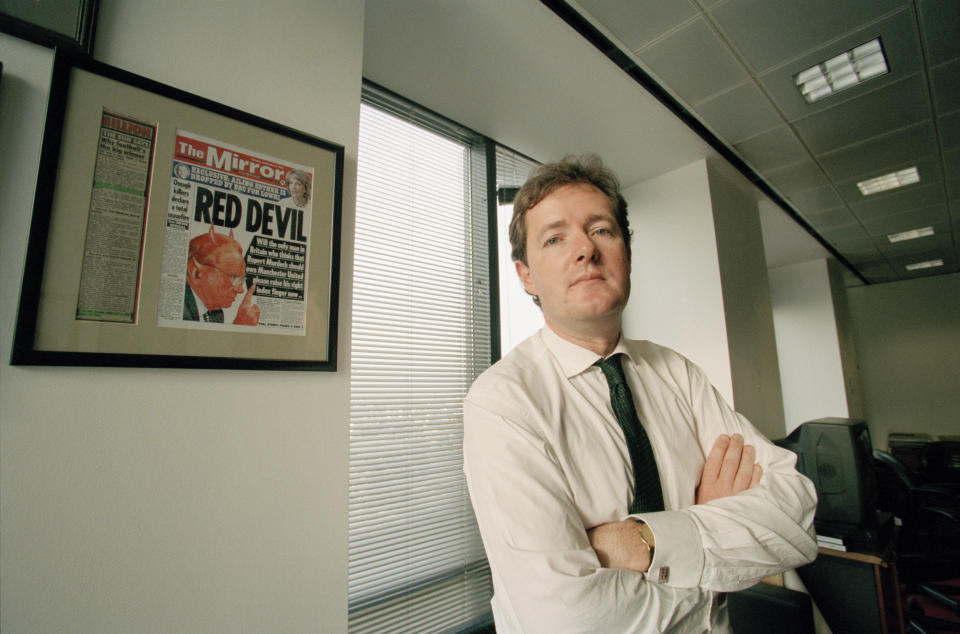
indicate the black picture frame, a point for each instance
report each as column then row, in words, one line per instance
column 48, row 330
column 67, row 24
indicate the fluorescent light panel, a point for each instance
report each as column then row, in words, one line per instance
column 843, row 71
column 929, row 264
column 913, row 234
column 889, row 181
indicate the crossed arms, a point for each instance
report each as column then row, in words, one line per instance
column 550, row 528
column 730, row 468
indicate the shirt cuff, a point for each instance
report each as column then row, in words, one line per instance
column 678, row 553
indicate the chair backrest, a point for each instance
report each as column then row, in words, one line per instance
column 886, row 460
column 941, row 461
column 895, row 487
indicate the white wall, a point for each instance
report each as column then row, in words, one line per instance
column 817, row 370
column 699, row 283
column 676, row 298
column 746, row 299
column 519, row 316
column 907, row 337
column 176, row 500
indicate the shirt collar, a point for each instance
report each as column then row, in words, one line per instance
column 201, row 307
column 572, row 358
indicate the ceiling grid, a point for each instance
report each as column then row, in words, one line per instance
column 733, row 63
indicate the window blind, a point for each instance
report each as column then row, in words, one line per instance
column 519, row 316
column 513, row 169
column 421, row 334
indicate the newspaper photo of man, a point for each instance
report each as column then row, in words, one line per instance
column 215, row 273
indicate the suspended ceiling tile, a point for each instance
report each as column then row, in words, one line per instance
column 880, row 155
column 767, row 33
column 936, row 217
column 739, row 113
column 953, row 188
column 937, row 243
column 834, row 218
column 892, row 107
column 638, row 22
column 900, row 262
column 813, row 200
column 946, row 85
column 798, row 177
column 773, row 149
column 880, row 273
column 898, row 201
column 901, row 46
column 848, row 236
column 868, row 254
column 951, row 164
column 949, row 126
column 928, row 168
column 679, row 61
column 940, row 21
column 903, row 252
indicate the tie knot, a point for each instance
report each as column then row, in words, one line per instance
column 612, row 369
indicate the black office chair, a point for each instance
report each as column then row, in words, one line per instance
column 766, row 608
column 927, row 546
column 930, row 515
column 940, row 463
column 933, row 608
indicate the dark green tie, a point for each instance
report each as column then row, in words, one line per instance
column 647, row 495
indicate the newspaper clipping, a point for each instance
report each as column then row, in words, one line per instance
column 236, row 240
column 113, row 246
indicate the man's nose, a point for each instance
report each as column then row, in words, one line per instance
column 586, row 249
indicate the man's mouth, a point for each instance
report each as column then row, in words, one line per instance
column 588, row 277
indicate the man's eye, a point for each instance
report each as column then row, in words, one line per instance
column 552, row 241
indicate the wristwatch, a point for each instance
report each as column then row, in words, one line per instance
column 646, row 534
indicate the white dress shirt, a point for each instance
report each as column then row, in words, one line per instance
column 545, row 460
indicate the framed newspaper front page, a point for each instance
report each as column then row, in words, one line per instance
column 172, row 231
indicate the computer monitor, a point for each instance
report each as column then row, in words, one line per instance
column 837, row 455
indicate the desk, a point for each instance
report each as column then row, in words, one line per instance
column 855, row 591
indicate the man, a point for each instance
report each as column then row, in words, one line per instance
column 215, row 272
column 552, row 477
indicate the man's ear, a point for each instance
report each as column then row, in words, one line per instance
column 523, row 271
column 193, row 269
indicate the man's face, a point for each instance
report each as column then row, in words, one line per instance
column 219, row 283
column 578, row 263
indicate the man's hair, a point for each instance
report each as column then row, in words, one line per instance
column 587, row 169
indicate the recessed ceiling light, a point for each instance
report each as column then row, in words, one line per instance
column 913, row 234
column 929, row 264
column 843, row 71
column 889, row 181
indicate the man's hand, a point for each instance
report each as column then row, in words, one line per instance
column 618, row 545
column 249, row 313
column 729, row 469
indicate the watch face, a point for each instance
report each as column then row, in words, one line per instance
column 647, row 534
